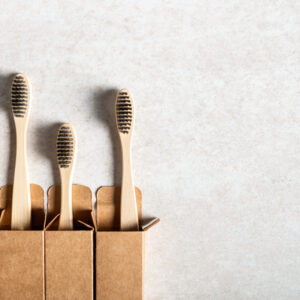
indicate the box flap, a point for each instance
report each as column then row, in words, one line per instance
column 108, row 209
column 1, row 214
column 37, row 206
column 147, row 223
column 82, row 207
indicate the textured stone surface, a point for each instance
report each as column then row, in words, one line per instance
column 216, row 145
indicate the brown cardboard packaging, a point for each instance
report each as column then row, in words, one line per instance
column 69, row 255
column 22, row 252
column 120, row 256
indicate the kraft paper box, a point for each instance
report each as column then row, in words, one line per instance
column 22, row 252
column 69, row 255
column 120, row 256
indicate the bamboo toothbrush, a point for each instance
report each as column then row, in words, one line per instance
column 125, row 121
column 66, row 154
column 21, row 202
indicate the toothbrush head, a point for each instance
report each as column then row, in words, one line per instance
column 65, row 146
column 20, row 95
column 124, row 111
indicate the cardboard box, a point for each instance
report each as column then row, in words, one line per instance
column 22, row 252
column 52, row 264
column 69, row 255
column 120, row 256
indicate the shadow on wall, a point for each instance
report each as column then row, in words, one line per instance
column 104, row 110
column 45, row 144
column 5, row 85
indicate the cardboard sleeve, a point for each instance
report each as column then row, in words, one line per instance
column 69, row 255
column 22, row 252
column 44, row 263
column 120, row 256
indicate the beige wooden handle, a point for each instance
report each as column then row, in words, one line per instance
column 129, row 214
column 66, row 213
column 21, row 202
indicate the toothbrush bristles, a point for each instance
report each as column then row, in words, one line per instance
column 65, row 143
column 19, row 96
column 124, row 111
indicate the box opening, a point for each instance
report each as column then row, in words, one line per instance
column 83, row 216
column 37, row 207
column 108, row 209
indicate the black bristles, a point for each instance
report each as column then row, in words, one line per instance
column 124, row 112
column 64, row 146
column 19, row 96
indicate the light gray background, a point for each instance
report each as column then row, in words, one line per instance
column 216, row 145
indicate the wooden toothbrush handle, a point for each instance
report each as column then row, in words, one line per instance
column 66, row 212
column 128, row 212
column 21, row 202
